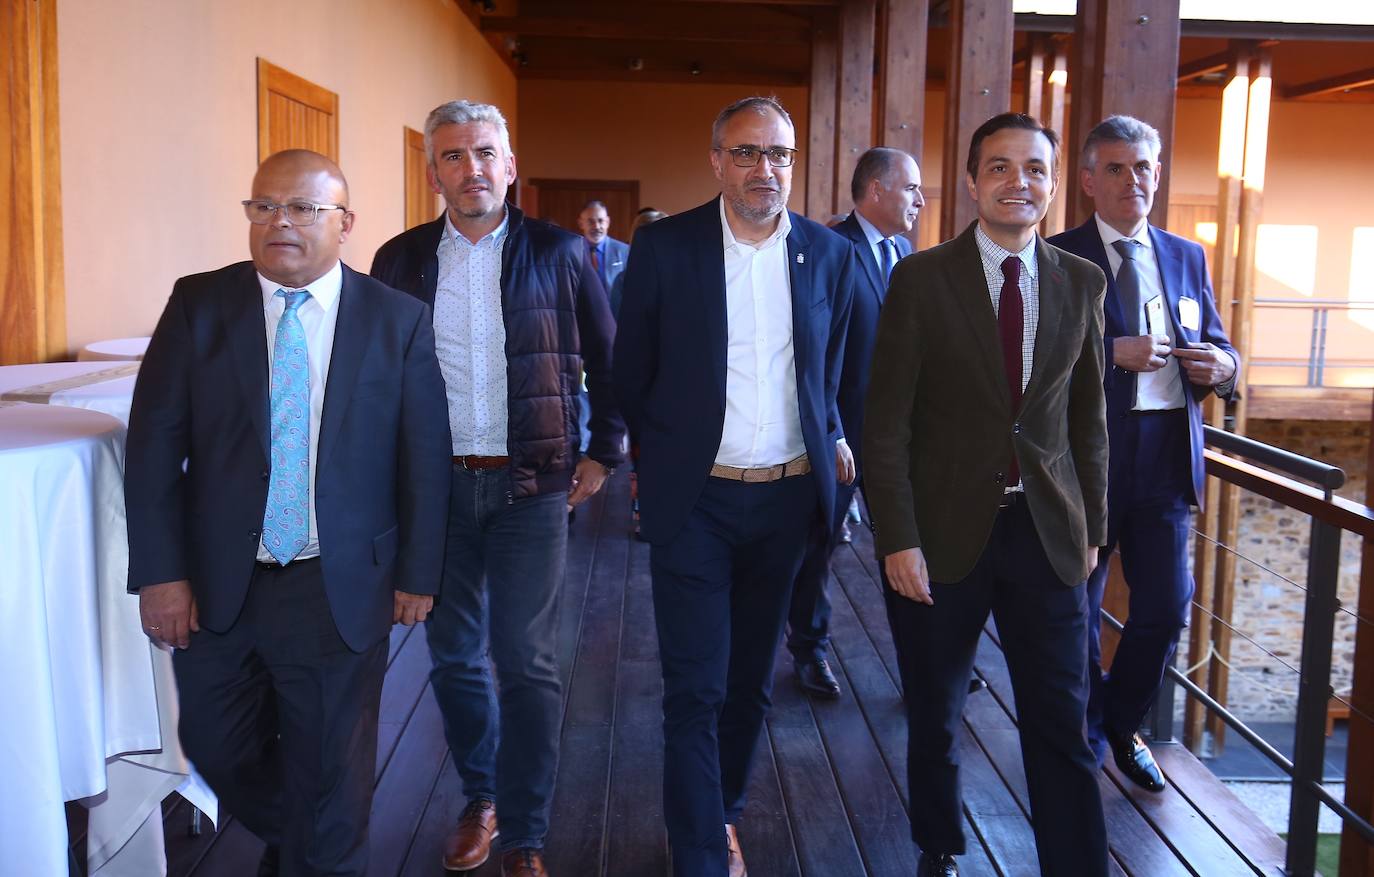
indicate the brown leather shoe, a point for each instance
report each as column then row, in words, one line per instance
column 734, row 856
column 526, row 862
column 470, row 844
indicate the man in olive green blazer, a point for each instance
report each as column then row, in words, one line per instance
column 986, row 451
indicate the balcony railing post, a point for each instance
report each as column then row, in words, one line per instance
column 1314, row 693
column 1313, row 344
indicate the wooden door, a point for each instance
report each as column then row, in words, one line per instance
column 422, row 204
column 560, row 202
column 295, row 113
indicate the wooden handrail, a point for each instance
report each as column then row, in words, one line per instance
column 1337, row 511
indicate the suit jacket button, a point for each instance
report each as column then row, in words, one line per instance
column 252, row 534
column 1016, row 429
column 999, row 477
column 266, row 475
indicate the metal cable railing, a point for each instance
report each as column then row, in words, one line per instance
column 1314, row 691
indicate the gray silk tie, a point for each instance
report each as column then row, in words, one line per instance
column 1128, row 285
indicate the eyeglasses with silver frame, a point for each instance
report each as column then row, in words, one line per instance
column 748, row 155
column 298, row 213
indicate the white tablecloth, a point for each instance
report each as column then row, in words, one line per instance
column 107, row 387
column 114, row 349
column 88, row 705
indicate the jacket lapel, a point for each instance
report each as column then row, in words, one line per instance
column 970, row 289
column 1170, row 264
column 427, row 257
column 711, row 282
column 246, row 328
column 799, row 274
column 1090, row 244
column 1053, row 283
column 350, row 344
column 864, row 251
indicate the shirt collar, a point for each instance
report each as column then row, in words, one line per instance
column 325, row 289
column 995, row 254
column 870, row 231
column 492, row 237
column 1111, row 235
column 783, row 230
column 600, row 248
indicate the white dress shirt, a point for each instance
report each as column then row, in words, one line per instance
column 762, row 417
column 318, row 315
column 1161, row 389
column 470, row 339
column 994, row 255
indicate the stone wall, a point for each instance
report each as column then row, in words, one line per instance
column 1269, row 609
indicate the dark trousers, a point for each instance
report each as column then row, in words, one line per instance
column 721, row 590
column 502, row 573
column 1149, row 497
column 808, row 619
column 1043, row 628
column 280, row 717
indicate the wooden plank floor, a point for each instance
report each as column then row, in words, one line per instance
column 828, row 794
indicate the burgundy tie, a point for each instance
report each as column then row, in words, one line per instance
column 1009, row 327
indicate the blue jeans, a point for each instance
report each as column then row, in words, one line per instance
column 502, row 576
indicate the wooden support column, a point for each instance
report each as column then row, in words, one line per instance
column 1357, row 855
column 1033, row 77
column 1127, row 52
column 1241, row 332
column 33, row 324
column 820, row 153
column 902, row 67
column 1207, row 558
column 978, row 87
column 854, row 131
column 1056, row 82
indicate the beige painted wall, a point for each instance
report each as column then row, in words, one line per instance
column 656, row 133
column 159, row 129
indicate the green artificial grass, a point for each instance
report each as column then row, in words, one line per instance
column 1328, row 854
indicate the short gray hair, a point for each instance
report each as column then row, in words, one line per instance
column 1119, row 129
column 463, row 112
column 759, row 104
column 878, row 163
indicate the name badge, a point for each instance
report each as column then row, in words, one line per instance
column 1189, row 314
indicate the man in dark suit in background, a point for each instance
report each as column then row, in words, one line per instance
column 518, row 313
column 727, row 363
column 887, row 197
column 985, row 449
column 608, row 257
column 305, row 403
column 1166, row 350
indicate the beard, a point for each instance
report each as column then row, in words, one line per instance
column 757, row 213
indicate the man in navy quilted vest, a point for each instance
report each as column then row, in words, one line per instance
column 519, row 312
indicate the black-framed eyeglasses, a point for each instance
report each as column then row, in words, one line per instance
column 748, row 155
column 262, row 212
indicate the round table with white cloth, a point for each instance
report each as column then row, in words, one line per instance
column 89, row 704
column 114, row 349
column 107, row 387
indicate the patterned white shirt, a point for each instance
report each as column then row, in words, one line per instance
column 318, row 315
column 762, row 415
column 470, row 339
column 993, row 256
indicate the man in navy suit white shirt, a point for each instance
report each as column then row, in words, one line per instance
column 1166, row 350
column 886, row 187
column 726, row 366
column 608, row 255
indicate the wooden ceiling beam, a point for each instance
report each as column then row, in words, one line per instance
column 1331, row 85
column 656, row 28
column 712, row 76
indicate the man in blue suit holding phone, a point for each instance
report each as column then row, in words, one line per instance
column 726, row 367
column 1166, row 351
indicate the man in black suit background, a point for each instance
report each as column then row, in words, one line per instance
column 727, row 364
column 286, row 487
column 887, row 198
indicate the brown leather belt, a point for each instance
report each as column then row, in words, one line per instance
column 473, row 462
column 799, row 466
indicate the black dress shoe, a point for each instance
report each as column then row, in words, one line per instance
column 815, row 677
column 1133, row 759
column 270, row 864
column 941, row 865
